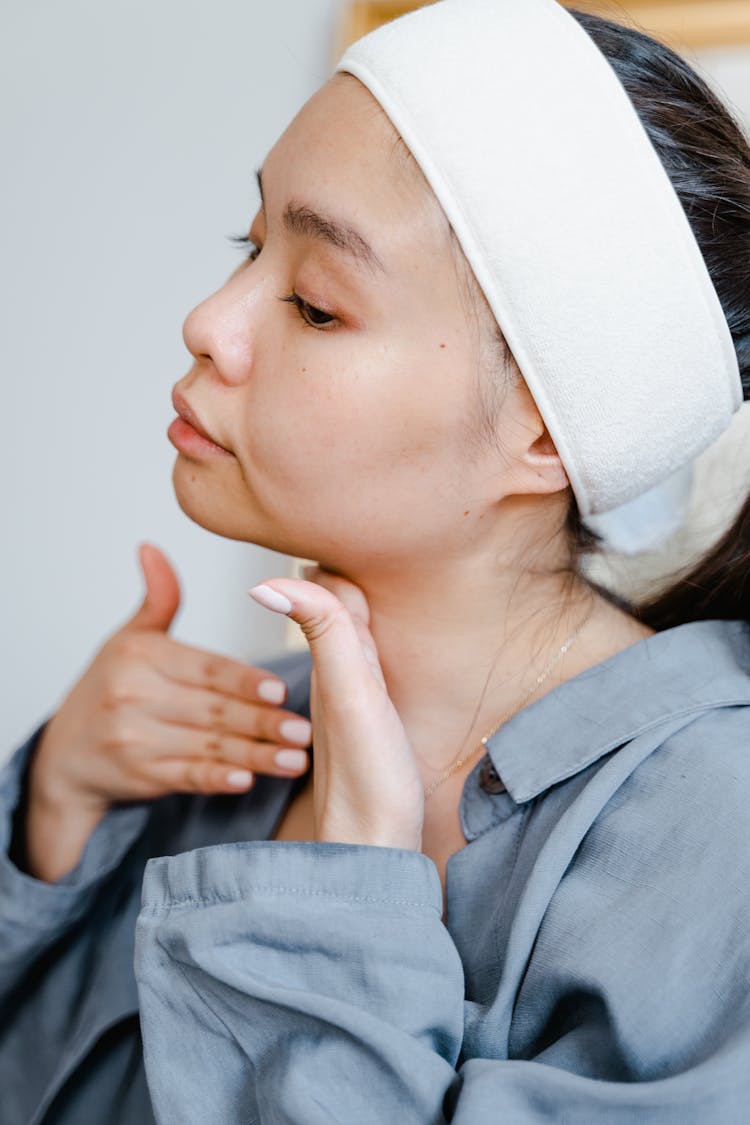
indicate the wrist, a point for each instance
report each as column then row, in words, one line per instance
column 55, row 836
column 50, row 791
column 55, row 824
column 394, row 836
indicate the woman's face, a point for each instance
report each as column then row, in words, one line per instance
column 343, row 381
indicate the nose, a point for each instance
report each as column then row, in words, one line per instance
column 220, row 329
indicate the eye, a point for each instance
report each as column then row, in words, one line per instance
column 313, row 317
column 247, row 244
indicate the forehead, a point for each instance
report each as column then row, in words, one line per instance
column 342, row 155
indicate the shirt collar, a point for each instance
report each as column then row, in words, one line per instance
column 691, row 667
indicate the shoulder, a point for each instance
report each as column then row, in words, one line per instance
column 714, row 749
column 697, row 780
column 701, row 773
column 651, row 919
column 678, row 829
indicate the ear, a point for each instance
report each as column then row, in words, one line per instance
column 530, row 464
column 537, row 466
column 542, row 460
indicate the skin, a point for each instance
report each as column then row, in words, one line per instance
column 150, row 716
column 359, row 444
column 388, row 437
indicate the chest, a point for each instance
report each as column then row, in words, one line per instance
column 297, row 821
column 442, row 835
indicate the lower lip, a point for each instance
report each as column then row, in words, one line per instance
column 185, row 438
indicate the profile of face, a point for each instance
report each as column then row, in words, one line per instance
column 339, row 366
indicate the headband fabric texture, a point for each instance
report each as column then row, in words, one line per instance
column 578, row 240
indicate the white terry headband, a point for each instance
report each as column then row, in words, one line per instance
column 577, row 238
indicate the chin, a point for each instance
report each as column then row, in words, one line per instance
column 224, row 514
column 197, row 497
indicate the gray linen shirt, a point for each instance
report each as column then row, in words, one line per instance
column 593, row 966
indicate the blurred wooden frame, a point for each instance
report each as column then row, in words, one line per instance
column 683, row 24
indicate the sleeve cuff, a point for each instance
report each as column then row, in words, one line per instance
column 357, row 873
column 32, row 902
column 317, row 975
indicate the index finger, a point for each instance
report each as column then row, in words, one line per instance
column 204, row 669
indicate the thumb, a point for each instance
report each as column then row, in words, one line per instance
column 339, row 640
column 162, row 598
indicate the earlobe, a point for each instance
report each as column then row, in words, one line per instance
column 543, row 459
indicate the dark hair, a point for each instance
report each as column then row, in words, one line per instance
column 707, row 158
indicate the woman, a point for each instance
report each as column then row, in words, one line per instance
column 415, row 930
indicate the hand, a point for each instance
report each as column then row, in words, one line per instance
column 152, row 716
column 367, row 786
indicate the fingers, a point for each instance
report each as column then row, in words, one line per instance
column 339, row 639
column 202, row 761
column 216, row 714
column 347, row 593
column 175, row 776
column 210, row 670
column 354, row 600
column 260, row 757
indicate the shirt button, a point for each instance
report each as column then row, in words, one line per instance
column 489, row 779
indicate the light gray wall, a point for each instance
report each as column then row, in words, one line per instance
column 129, row 133
column 130, row 130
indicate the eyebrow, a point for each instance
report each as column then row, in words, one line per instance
column 303, row 221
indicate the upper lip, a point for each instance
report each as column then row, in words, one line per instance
column 185, row 410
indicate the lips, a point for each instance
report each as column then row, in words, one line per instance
column 186, row 411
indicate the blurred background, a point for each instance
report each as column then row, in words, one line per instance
column 130, row 132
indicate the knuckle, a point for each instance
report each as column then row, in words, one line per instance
column 267, row 726
column 321, row 623
column 197, row 777
column 130, row 647
column 217, row 709
column 109, row 700
column 118, row 737
column 248, row 684
column 115, row 695
column 211, row 669
column 213, row 746
column 142, row 777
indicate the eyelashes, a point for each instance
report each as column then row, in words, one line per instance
column 311, row 316
column 252, row 251
column 308, row 312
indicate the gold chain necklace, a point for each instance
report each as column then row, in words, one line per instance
column 537, row 683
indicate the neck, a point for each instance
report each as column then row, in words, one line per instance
column 461, row 646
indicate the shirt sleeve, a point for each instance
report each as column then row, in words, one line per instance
column 33, row 913
column 285, row 982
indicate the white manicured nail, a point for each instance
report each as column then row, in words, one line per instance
column 271, row 599
column 239, row 778
column 291, row 759
column 272, row 690
column 296, row 730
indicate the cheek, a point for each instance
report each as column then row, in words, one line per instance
column 377, row 424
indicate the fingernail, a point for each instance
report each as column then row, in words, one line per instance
column 291, row 759
column 271, row 599
column 239, row 778
column 272, row 690
column 296, row 730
